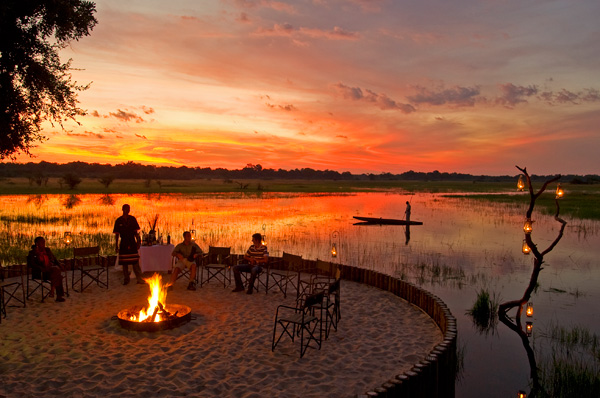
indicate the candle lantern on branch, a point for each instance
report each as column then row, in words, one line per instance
column 520, row 184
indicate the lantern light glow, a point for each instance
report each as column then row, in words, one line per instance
column 528, row 226
column 559, row 192
column 67, row 238
column 529, row 310
column 520, row 184
column 526, row 249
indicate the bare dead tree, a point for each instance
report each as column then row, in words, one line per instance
column 537, row 267
column 538, row 255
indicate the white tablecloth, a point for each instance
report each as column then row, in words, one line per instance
column 156, row 258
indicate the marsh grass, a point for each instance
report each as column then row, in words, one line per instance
column 484, row 312
column 572, row 369
column 580, row 201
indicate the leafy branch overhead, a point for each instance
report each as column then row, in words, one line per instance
column 36, row 85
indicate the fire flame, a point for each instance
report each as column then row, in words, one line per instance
column 156, row 301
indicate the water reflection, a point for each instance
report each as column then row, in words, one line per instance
column 463, row 245
column 72, row 201
column 107, row 200
column 524, row 335
column 37, row 200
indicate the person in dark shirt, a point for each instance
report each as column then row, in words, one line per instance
column 256, row 256
column 128, row 229
column 45, row 266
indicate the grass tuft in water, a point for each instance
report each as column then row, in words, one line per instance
column 484, row 312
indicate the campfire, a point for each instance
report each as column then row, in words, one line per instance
column 157, row 315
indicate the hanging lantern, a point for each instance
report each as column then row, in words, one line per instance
column 67, row 238
column 559, row 192
column 526, row 248
column 528, row 226
column 521, row 394
column 264, row 240
column 529, row 310
column 528, row 328
column 520, row 184
column 333, row 251
column 193, row 233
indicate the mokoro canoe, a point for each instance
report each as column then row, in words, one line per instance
column 387, row 221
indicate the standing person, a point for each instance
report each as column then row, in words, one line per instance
column 45, row 266
column 407, row 211
column 186, row 252
column 128, row 229
column 256, row 255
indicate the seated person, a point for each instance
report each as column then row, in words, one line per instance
column 45, row 266
column 186, row 253
column 256, row 255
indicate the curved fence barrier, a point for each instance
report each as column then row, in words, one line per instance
column 434, row 375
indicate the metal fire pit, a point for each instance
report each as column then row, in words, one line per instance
column 184, row 315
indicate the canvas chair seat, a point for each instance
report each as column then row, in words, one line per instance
column 262, row 278
column 216, row 264
column 12, row 288
column 186, row 272
column 304, row 320
column 287, row 274
column 88, row 267
column 40, row 281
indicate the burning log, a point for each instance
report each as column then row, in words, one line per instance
column 155, row 316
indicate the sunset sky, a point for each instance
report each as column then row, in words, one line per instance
column 356, row 85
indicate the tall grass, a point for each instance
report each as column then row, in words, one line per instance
column 484, row 312
column 572, row 368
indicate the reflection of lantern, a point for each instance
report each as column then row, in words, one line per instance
column 526, row 248
column 193, row 233
column 528, row 328
column 520, row 184
column 521, row 394
column 528, row 226
column 67, row 238
column 559, row 192
column 333, row 251
column 529, row 310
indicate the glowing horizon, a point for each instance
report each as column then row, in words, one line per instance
column 360, row 86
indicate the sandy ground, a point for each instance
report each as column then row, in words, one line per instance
column 76, row 349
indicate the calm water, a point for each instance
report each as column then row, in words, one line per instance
column 462, row 247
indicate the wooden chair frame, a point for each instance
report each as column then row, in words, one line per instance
column 185, row 273
column 217, row 265
column 306, row 318
column 9, row 287
column 42, row 283
column 289, row 274
column 82, row 255
column 259, row 281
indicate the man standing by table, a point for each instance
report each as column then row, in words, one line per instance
column 128, row 229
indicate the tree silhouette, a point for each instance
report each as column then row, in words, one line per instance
column 35, row 85
column 538, row 260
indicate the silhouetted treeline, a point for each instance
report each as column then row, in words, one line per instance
column 132, row 170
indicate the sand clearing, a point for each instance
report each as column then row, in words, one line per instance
column 74, row 349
